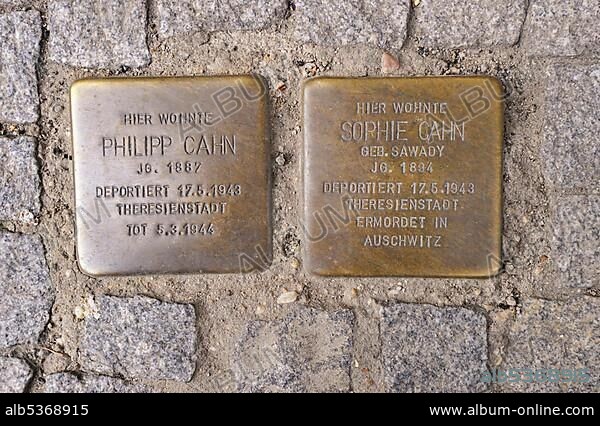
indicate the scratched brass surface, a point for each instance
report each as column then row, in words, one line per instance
column 171, row 175
column 402, row 176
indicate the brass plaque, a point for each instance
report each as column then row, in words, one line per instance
column 171, row 175
column 402, row 176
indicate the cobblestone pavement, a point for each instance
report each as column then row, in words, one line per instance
column 284, row 330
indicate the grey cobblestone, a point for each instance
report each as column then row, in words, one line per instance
column 382, row 23
column 576, row 226
column 16, row 3
column 20, row 34
column 571, row 127
column 562, row 27
column 555, row 335
column 307, row 351
column 26, row 293
column 88, row 383
column 189, row 16
column 15, row 374
column 19, row 179
column 468, row 23
column 140, row 337
column 430, row 349
column 98, row 33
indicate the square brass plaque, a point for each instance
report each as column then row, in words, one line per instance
column 402, row 176
column 171, row 175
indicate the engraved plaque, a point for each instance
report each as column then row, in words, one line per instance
column 171, row 175
column 402, row 176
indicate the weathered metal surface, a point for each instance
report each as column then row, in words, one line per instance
column 171, row 175
column 403, row 176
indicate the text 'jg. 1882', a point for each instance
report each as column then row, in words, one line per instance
column 171, row 175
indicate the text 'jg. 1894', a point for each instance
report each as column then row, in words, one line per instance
column 402, row 176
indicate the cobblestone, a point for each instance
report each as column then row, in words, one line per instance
column 467, row 23
column 562, row 27
column 26, row 293
column 88, row 383
column 431, row 349
column 98, row 34
column 140, row 337
column 15, row 374
column 19, row 179
column 576, row 226
column 571, row 126
column 382, row 23
column 555, row 335
column 20, row 35
column 188, row 16
column 307, row 351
